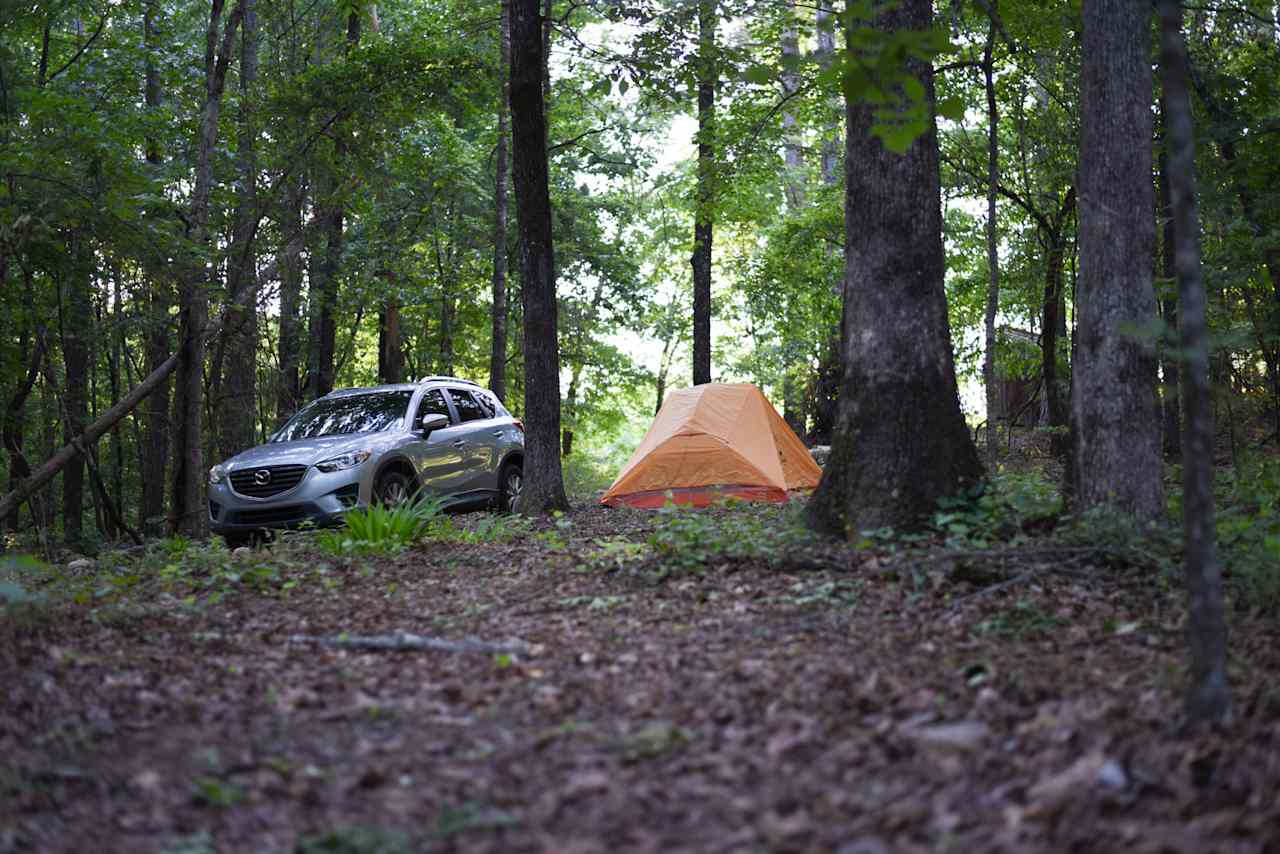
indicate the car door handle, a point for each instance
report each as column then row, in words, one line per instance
column 498, row 433
column 460, row 443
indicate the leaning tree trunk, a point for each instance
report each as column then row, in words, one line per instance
column 498, row 353
column 705, row 193
column 1208, row 694
column 900, row 441
column 1115, row 417
column 544, row 480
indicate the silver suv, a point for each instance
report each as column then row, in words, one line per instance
column 353, row 447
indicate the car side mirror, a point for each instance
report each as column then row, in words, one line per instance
column 433, row 421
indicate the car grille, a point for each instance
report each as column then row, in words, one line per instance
column 271, row 516
column 282, row 479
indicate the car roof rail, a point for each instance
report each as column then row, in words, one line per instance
column 444, row 379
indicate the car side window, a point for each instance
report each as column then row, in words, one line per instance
column 432, row 403
column 486, row 403
column 468, row 409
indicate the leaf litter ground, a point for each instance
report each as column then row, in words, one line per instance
column 824, row 700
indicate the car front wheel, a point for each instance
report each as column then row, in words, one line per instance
column 510, row 484
column 392, row 489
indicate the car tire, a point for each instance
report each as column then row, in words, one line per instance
column 393, row 488
column 510, row 485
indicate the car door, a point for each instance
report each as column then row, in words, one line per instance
column 439, row 457
column 481, row 446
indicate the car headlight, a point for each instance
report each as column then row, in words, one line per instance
column 343, row 462
column 218, row 474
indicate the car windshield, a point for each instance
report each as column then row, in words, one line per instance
column 350, row 413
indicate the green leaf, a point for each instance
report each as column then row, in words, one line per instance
column 951, row 108
column 760, row 74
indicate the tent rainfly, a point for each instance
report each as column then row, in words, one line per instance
column 713, row 441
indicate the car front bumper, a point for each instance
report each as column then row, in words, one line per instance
column 320, row 499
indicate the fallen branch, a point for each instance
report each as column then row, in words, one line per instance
column 405, row 642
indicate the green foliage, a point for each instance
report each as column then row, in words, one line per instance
column 378, row 529
column 217, row 793
column 1249, row 532
column 687, row 540
column 996, row 510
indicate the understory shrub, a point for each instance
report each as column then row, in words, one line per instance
column 378, row 529
column 686, row 540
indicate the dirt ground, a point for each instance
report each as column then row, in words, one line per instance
column 847, row 701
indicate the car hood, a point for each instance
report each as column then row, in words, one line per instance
column 305, row 451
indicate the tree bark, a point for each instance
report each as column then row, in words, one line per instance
column 1208, row 694
column 14, row 414
column 705, row 194
column 1116, row 426
column 187, row 513
column 235, row 366
column 543, row 478
column 77, row 330
column 157, row 337
column 498, row 354
column 289, row 380
column 1169, row 370
column 993, row 252
column 793, row 188
column 900, row 441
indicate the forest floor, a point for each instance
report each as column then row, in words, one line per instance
column 895, row 698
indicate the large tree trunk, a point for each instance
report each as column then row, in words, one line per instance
column 187, row 515
column 1208, row 695
column 157, row 337
column 235, row 369
column 993, row 249
column 704, row 214
column 543, row 479
column 1116, row 426
column 900, row 442
column 498, row 353
column 77, row 330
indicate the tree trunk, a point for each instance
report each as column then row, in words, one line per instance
column 1116, row 421
column 498, row 354
column 1171, row 416
column 77, row 330
column 704, row 213
column 900, row 441
column 14, row 416
column 543, row 478
column 390, row 346
column 187, row 514
column 289, row 381
column 156, row 336
column 993, row 253
column 235, row 370
column 1051, row 329
column 1208, row 694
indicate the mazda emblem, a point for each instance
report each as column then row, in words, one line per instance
column 262, row 477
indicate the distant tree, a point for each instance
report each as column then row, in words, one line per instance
column 543, row 478
column 1115, row 418
column 1208, row 694
column 704, row 219
column 900, row 440
column 498, row 323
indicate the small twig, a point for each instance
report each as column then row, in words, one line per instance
column 405, row 642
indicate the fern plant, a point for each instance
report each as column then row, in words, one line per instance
column 382, row 530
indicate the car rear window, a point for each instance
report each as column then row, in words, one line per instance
column 350, row 413
column 468, row 409
column 486, row 403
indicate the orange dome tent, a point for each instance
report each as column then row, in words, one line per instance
column 713, row 441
